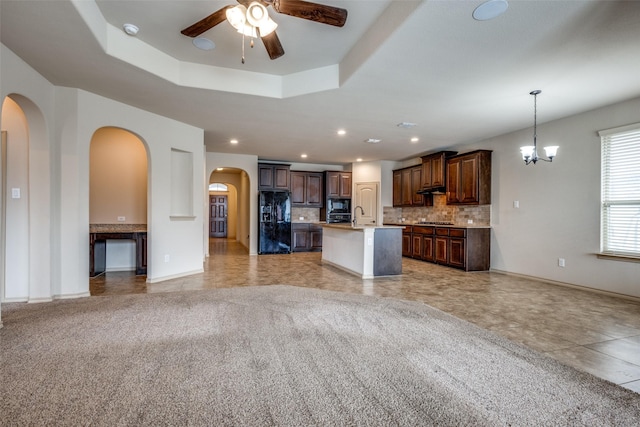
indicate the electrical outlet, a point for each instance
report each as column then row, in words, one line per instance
column 15, row 193
column 121, row 219
column 301, row 218
column 516, row 204
column 167, row 258
column 560, row 262
column 469, row 221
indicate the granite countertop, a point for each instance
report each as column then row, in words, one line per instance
column 347, row 226
column 117, row 228
column 441, row 225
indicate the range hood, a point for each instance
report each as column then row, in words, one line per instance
column 434, row 190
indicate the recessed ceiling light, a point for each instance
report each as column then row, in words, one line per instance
column 342, row 132
column 490, row 9
column 304, row 156
column 372, row 140
column 406, row 125
column 203, row 43
column 130, row 29
column 234, row 141
column 358, row 159
column 415, row 139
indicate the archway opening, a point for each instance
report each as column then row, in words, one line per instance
column 118, row 200
column 238, row 206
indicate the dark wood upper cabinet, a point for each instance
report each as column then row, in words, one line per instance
column 273, row 176
column 406, row 184
column 397, row 188
column 306, row 189
column 338, row 185
column 434, row 171
column 469, row 178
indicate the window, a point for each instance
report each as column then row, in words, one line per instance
column 218, row 187
column 620, row 218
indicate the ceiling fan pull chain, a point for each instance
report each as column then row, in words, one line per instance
column 243, row 48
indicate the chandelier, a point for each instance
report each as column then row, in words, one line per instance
column 252, row 21
column 530, row 152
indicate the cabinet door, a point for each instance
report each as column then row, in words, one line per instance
column 407, row 197
column 265, row 177
column 426, row 173
column 397, row 188
column 437, row 171
column 468, row 180
column 281, row 177
column 315, row 237
column 427, row 249
column 300, row 237
column 333, row 184
column 406, row 244
column 345, row 185
column 298, row 188
column 457, row 252
column 453, row 180
column 416, row 185
column 441, row 247
column 416, row 246
column 314, row 190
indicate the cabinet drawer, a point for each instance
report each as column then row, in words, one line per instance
column 423, row 230
column 442, row 231
column 457, row 232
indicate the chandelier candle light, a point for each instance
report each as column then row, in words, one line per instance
column 530, row 152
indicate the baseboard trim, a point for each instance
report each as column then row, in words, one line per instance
column 72, row 296
column 174, row 276
column 569, row 285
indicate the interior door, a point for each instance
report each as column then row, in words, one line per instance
column 367, row 198
column 218, row 216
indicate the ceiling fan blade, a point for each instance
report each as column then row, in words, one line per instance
column 273, row 45
column 312, row 11
column 207, row 23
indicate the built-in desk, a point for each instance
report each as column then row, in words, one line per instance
column 100, row 233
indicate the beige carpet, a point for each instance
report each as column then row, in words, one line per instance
column 281, row 355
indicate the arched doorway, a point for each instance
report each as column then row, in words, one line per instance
column 235, row 190
column 25, row 224
column 118, row 188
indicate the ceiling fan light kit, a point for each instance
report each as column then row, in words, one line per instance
column 254, row 21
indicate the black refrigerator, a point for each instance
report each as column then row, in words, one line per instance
column 274, row 236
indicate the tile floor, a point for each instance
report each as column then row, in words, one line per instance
column 596, row 333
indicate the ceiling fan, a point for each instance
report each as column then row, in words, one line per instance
column 250, row 18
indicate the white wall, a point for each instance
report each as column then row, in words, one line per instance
column 559, row 214
column 17, row 210
column 61, row 123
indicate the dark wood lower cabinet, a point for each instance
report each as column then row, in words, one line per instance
column 464, row 248
column 306, row 237
column 406, row 241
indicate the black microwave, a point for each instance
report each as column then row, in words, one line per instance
column 335, row 206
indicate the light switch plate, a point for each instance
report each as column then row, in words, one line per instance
column 15, row 193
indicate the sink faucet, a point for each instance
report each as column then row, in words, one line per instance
column 355, row 216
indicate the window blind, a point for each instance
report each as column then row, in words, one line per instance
column 620, row 227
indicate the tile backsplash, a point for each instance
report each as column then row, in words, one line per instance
column 440, row 212
column 308, row 215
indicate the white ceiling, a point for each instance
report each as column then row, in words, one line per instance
column 426, row 62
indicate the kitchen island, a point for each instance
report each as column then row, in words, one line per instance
column 368, row 251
